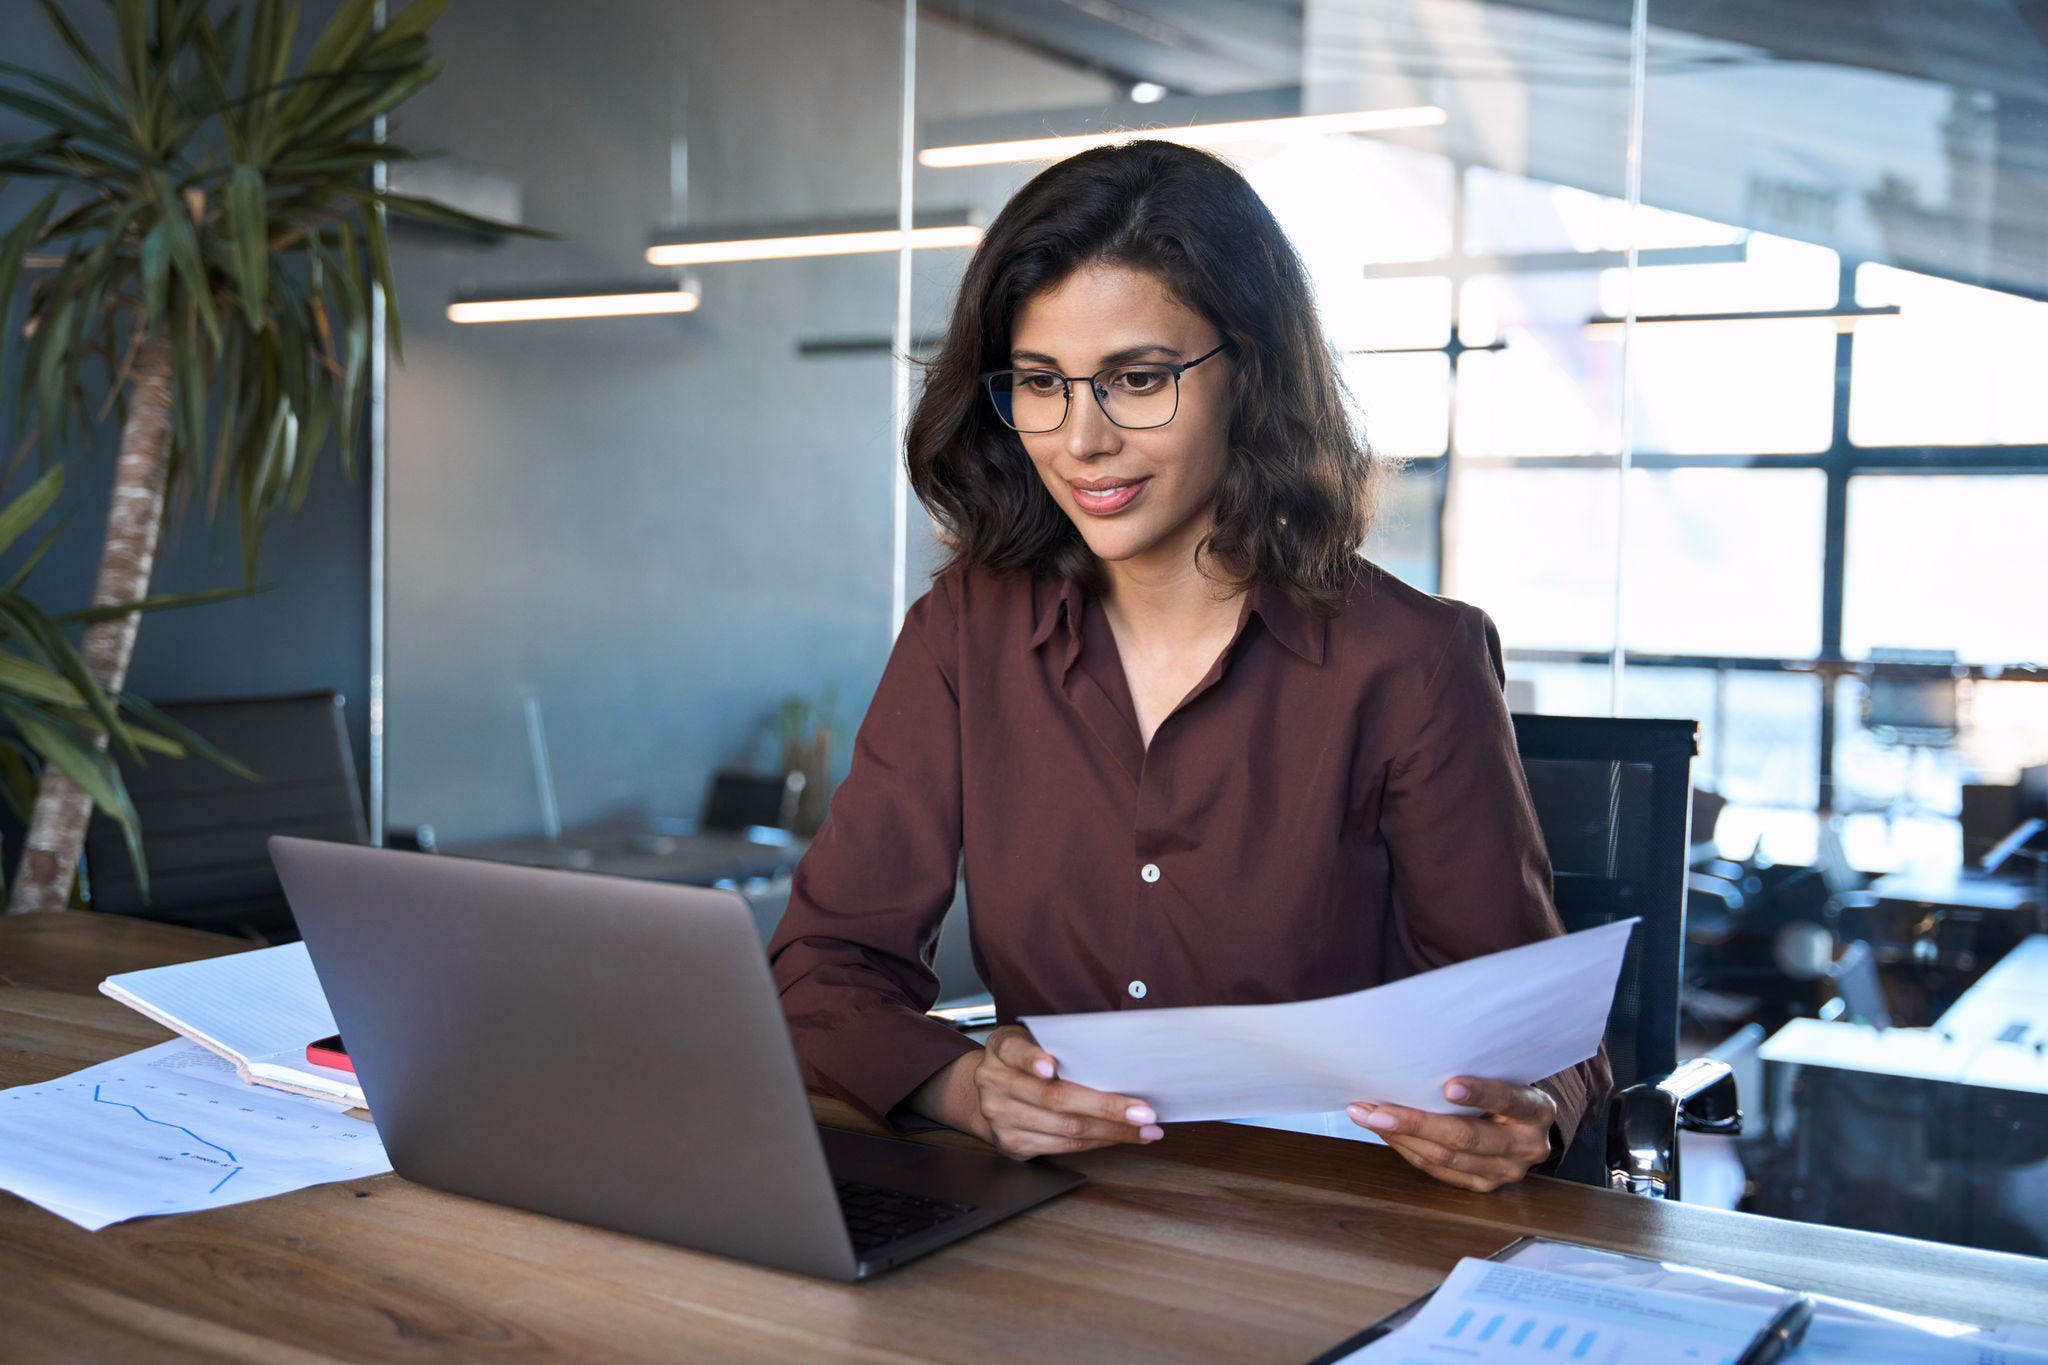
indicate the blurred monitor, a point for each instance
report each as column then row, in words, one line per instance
column 744, row 800
column 1988, row 815
column 1911, row 706
column 2030, row 801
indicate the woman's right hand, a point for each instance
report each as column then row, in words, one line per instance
column 1030, row 1112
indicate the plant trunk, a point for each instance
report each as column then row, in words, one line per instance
column 56, row 831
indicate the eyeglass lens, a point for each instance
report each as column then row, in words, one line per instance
column 1132, row 396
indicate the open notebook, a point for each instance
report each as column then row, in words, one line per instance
column 258, row 1010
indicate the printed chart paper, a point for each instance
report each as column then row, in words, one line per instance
column 171, row 1129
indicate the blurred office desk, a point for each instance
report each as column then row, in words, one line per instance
column 631, row 849
column 1939, row 1132
column 2019, row 897
column 1223, row 1243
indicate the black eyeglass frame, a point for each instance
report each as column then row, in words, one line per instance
column 1067, row 382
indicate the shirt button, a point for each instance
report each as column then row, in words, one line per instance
column 1137, row 990
column 1150, row 872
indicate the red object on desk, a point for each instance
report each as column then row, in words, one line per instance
column 330, row 1053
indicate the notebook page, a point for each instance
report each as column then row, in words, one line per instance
column 264, row 1004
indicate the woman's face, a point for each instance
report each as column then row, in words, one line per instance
column 1139, row 498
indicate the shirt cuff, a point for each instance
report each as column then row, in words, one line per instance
column 877, row 1059
column 1568, row 1090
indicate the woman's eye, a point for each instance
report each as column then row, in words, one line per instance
column 1138, row 381
column 1041, row 385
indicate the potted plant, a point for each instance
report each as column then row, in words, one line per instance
column 807, row 730
column 57, row 715
column 213, row 233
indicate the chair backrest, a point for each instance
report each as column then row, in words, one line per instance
column 204, row 828
column 1614, row 800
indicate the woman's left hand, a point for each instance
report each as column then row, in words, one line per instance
column 1477, row 1151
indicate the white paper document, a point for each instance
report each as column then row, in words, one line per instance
column 258, row 1010
column 171, row 1129
column 1517, row 1015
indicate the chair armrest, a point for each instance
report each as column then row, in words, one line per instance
column 1643, row 1120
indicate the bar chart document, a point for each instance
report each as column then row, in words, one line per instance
column 1518, row 1016
column 171, row 1129
column 1489, row 1311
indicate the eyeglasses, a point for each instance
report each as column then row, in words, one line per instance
column 1134, row 397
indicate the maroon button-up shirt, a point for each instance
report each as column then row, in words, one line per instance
column 1335, row 805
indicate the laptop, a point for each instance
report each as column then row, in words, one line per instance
column 612, row 1052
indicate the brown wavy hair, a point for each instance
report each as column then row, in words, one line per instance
column 1299, row 492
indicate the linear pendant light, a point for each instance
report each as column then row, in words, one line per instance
column 620, row 301
column 1845, row 319
column 788, row 240
column 1192, row 134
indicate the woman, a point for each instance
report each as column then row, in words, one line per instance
column 1193, row 749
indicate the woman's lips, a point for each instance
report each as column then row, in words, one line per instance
column 1105, row 497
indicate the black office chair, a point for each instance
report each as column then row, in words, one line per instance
column 204, row 828
column 1613, row 798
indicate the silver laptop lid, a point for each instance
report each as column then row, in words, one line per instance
column 603, row 1050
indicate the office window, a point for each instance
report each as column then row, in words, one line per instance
column 1718, row 561
column 1947, row 561
column 1566, row 689
column 1757, row 730
column 1347, row 202
column 1404, row 399
column 1733, row 387
column 2006, row 728
column 1535, row 548
column 1724, row 561
column 1959, row 365
column 1513, row 214
column 1773, row 274
column 1553, row 389
column 1367, row 314
column 1405, row 540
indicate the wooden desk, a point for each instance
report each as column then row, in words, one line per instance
column 1222, row 1243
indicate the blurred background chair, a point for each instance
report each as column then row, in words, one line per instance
column 1613, row 797
column 204, row 829
column 1917, row 715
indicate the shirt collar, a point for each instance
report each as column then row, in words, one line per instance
column 1065, row 600
column 1060, row 600
column 1305, row 635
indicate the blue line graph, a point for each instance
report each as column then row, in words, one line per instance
column 181, row 1128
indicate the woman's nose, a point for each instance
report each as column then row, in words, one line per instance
column 1089, row 431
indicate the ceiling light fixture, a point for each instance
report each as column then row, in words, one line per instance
column 623, row 301
column 786, row 241
column 1193, row 135
column 1844, row 319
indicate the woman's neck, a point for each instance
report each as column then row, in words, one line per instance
column 1164, row 605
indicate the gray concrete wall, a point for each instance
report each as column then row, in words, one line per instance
column 658, row 526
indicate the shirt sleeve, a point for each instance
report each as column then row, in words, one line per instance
column 852, row 955
column 1471, row 873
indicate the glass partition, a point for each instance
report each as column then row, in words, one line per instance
column 1706, row 353
column 619, row 544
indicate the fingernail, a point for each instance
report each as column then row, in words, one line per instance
column 1139, row 1113
column 1151, row 1132
column 1043, row 1067
column 1376, row 1119
column 1454, row 1091
column 1358, row 1112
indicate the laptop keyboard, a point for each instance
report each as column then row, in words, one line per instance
column 875, row 1215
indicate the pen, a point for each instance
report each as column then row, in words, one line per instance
column 1781, row 1335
